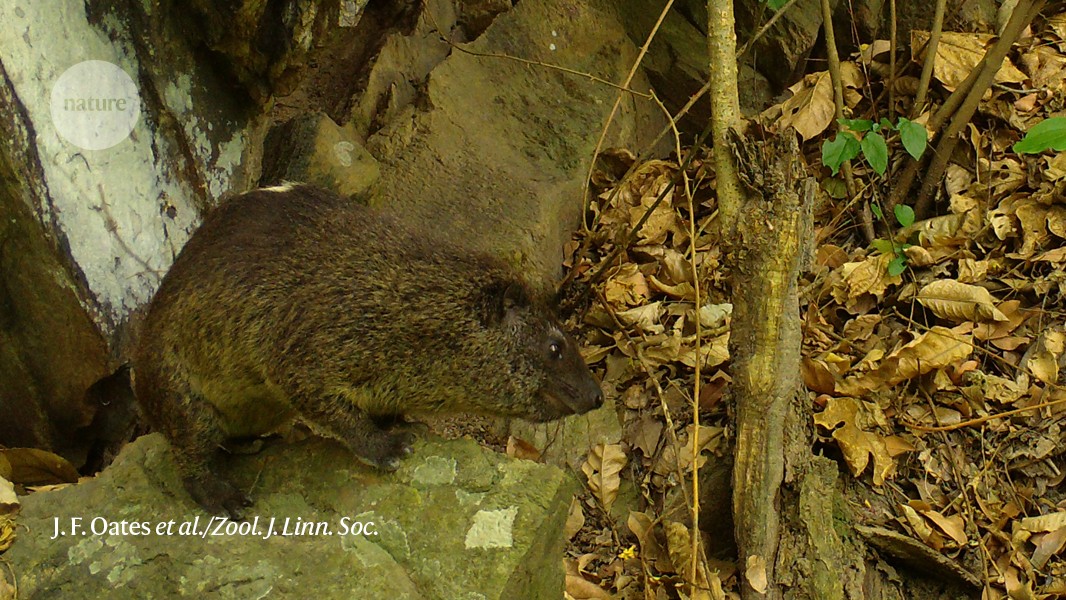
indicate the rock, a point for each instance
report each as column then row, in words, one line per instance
column 314, row 149
column 566, row 443
column 88, row 231
column 456, row 521
column 677, row 64
column 512, row 141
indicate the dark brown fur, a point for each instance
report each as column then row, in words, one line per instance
column 300, row 302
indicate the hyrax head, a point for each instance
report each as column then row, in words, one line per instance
column 548, row 378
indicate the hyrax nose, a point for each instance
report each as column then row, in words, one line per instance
column 597, row 397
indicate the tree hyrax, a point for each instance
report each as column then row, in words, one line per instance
column 295, row 301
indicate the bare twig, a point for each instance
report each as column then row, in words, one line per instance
column 838, row 102
column 930, row 58
column 1024, row 12
column 762, row 30
column 614, row 111
column 892, row 49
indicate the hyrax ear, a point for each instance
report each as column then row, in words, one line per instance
column 505, row 302
column 515, row 297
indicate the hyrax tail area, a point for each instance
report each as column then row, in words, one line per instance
column 299, row 302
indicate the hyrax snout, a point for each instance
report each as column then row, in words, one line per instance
column 297, row 302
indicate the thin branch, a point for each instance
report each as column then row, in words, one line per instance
column 930, row 58
column 1024, row 12
column 762, row 30
column 892, row 49
column 838, row 103
column 622, row 88
column 614, row 111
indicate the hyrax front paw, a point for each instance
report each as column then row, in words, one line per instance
column 217, row 496
column 386, row 449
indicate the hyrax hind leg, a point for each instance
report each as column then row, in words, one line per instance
column 370, row 441
column 192, row 426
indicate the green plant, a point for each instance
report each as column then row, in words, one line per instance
column 905, row 217
column 1049, row 134
column 864, row 136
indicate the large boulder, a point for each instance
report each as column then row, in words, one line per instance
column 456, row 521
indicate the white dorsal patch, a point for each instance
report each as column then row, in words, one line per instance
column 285, row 186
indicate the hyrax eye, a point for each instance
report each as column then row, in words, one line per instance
column 556, row 351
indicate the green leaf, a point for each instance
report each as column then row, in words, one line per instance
column 859, row 125
column 835, row 187
column 842, row 147
column 1047, row 134
column 876, row 208
column 883, row 246
column 904, row 215
column 885, row 124
column 776, row 5
column 875, row 150
column 897, row 266
column 914, row 137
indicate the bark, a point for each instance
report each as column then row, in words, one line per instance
column 771, row 241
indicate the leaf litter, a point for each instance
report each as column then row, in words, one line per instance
column 939, row 389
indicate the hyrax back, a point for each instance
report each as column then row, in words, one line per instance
column 294, row 301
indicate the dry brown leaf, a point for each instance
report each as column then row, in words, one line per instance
column 867, row 277
column 681, row 291
column 673, row 460
column 810, row 110
column 519, row 448
column 641, row 524
column 1017, row 589
column 956, row 301
column 993, row 330
column 972, row 270
column 1032, row 219
column 843, row 417
column 626, row 287
column 861, row 327
column 575, row 520
column 1041, row 523
column 1046, row 68
column 714, row 351
column 831, row 256
column 755, row 573
column 1056, row 221
column 646, row 318
column 9, row 502
column 5, row 467
column 957, row 54
column 1043, row 360
column 921, row 528
column 1056, row 257
column 935, row 349
column 580, row 588
column 7, row 537
column 646, row 434
column 954, row 525
column 1048, row 546
column 817, row 376
column 7, row 591
column 1058, row 25
column 942, row 231
column 30, row 466
column 602, row 469
column 896, row 446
